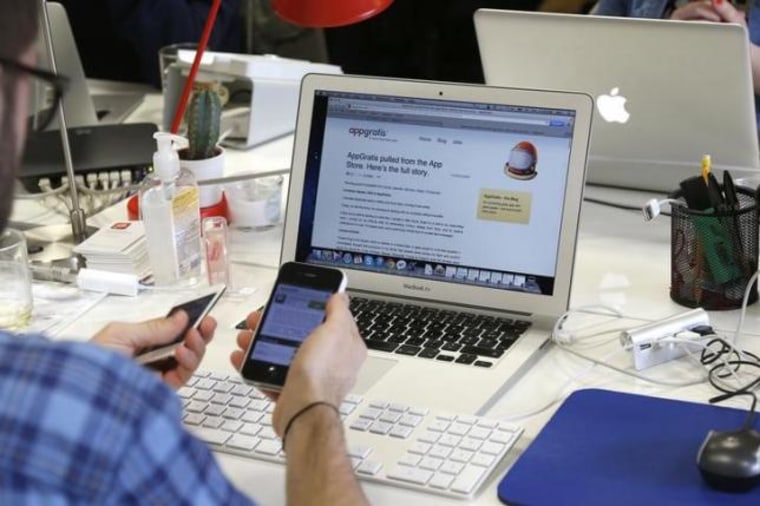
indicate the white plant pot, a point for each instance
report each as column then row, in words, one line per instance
column 207, row 168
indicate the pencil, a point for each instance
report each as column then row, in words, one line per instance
column 706, row 166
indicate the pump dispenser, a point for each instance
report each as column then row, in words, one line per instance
column 170, row 210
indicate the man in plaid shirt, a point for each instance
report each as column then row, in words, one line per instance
column 81, row 423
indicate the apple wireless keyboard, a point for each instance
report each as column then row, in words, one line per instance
column 389, row 443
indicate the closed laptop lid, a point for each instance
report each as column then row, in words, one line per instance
column 460, row 194
column 665, row 91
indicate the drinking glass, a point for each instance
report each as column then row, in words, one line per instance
column 15, row 281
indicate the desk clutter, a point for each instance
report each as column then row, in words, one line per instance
column 714, row 242
column 116, row 257
column 119, row 247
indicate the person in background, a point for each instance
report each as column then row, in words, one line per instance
column 718, row 11
column 82, row 423
column 119, row 39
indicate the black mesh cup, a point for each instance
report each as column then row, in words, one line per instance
column 714, row 253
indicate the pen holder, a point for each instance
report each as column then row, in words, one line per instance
column 714, row 253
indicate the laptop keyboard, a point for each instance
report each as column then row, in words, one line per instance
column 437, row 334
column 390, row 443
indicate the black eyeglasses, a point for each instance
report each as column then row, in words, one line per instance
column 47, row 89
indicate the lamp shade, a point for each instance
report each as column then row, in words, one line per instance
column 328, row 13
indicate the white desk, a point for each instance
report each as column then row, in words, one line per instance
column 621, row 260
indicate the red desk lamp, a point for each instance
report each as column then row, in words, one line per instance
column 326, row 14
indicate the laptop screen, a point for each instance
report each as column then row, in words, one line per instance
column 460, row 192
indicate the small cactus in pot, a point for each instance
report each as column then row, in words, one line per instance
column 204, row 113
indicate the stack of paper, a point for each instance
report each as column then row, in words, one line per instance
column 119, row 247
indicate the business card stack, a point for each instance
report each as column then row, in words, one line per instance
column 119, row 247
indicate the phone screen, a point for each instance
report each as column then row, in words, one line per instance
column 293, row 313
column 296, row 307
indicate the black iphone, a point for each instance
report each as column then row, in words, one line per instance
column 161, row 357
column 295, row 308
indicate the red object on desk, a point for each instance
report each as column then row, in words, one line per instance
column 220, row 209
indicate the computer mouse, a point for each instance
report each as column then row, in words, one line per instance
column 730, row 460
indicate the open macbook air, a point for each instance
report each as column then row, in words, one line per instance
column 460, row 200
column 666, row 92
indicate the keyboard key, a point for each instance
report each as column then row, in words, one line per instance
column 379, row 427
column 410, row 474
column 212, row 436
column 233, row 413
column 470, row 444
column 401, row 431
column 361, row 452
column 372, row 413
column 451, row 467
column 459, row 429
column 390, row 416
column 369, row 467
column 479, row 433
column 445, row 358
column 410, row 420
column 440, row 451
column 194, row 418
column 195, row 407
column 232, row 425
column 431, row 463
column 240, row 402
column 449, row 440
column 459, row 455
column 213, row 422
column 252, row 416
column 268, row 447
column 482, row 363
column 492, row 448
column 482, row 459
column 467, row 479
column 215, row 409
column 250, row 429
column 185, row 392
column 441, row 480
column 242, row 442
column 361, row 424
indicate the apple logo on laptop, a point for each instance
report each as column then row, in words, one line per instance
column 612, row 107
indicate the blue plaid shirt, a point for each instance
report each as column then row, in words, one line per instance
column 83, row 425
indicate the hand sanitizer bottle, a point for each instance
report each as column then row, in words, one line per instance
column 170, row 211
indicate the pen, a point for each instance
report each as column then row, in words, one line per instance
column 706, row 166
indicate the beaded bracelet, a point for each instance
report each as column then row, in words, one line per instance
column 301, row 412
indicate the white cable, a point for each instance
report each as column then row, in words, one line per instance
column 745, row 301
column 561, row 392
column 631, row 373
column 653, row 207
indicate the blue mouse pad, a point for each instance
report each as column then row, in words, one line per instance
column 609, row 448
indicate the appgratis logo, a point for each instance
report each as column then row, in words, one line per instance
column 366, row 132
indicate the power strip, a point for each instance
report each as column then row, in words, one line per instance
column 645, row 340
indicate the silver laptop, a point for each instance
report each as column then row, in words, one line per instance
column 80, row 106
column 459, row 199
column 666, row 92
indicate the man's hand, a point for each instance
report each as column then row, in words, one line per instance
column 325, row 366
column 130, row 338
column 718, row 11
